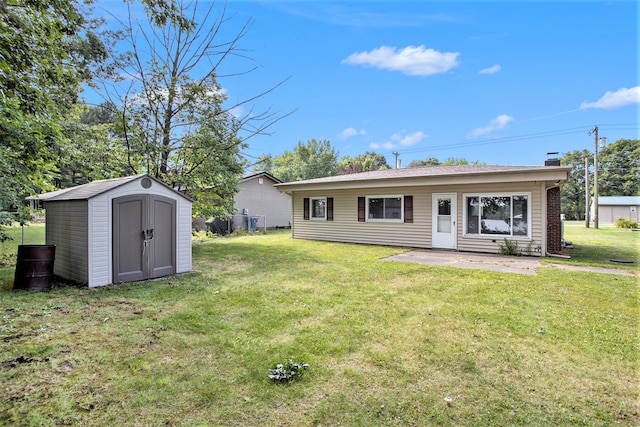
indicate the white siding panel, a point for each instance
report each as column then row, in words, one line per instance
column 183, row 237
column 264, row 199
column 346, row 228
column 66, row 228
column 100, row 272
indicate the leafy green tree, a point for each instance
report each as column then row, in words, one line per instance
column 96, row 151
column 432, row 161
column 315, row 159
column 368, row 161
column 47, row 50
column 619, row 169
column 177, row 125
column 429, row 161
column 573, row 191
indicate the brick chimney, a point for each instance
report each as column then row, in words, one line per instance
column 552, row 159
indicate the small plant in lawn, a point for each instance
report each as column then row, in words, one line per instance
column 510, row 247
column 283, row 373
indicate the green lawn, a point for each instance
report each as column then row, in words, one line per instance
column 386, row 343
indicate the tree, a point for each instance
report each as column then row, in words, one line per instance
column 176, row 125
column 97, row 150
column 619, row 169
column 315, row 159
column 47, row 50
column 429, row 161
column 432, row 161
column 368, row 161
column 573, row 191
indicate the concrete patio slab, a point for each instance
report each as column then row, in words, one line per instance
column 505, row 264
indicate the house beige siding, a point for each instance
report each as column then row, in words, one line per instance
column 346, row 228
column 67, row 229
column 264, row 199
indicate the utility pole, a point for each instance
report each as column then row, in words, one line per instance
column 586, row 192
column 395, row 153
column 595, row 178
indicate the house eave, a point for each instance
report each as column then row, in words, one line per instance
column 551, row 176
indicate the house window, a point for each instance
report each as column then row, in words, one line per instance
column 384, row 208
column 497, row 215
column 318, row 208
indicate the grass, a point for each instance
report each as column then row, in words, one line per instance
column 386, row 343
column 596, row 247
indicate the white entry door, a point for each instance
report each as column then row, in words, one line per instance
column 443, row 221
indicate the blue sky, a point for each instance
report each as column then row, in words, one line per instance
column 499, row 82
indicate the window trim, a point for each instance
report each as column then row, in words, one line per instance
column 317, row 218
column 385, row 196
column 479, row 235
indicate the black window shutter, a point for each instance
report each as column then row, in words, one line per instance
column 306, row 208
column 329, row 208
column 408, row 208
column 361, row 209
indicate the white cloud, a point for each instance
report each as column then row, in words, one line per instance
column 498, row 123
column 412, row 60
column 490, row 70
column 400, row 140
column 349, row 132
column 611, row 100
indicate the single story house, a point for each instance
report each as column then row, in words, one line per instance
column 118, row 230
column 464, row 207
column 257, row 196
column 611, row 208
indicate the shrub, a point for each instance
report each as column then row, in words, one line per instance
column 626, row 223
column 510, row 247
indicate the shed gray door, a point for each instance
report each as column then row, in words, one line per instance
column 144, row 237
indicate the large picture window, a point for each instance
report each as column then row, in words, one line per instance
column 502, row 215
column 384, row 208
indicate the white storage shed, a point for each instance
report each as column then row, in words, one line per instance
column 118, row 230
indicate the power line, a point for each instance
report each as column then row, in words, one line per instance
column 537, row 135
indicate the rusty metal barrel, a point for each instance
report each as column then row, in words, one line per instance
column 34, row 267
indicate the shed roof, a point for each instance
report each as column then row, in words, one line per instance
column 619, row 200
column 94, row 188
column 425, row 174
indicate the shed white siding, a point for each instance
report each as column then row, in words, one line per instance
column 183, row 237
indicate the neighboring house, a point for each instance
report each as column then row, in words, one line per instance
column 257, row 196
column 118, row 230
column 611, row 208
column 465, row 208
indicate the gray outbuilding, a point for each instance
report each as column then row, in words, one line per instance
column 118, row 230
